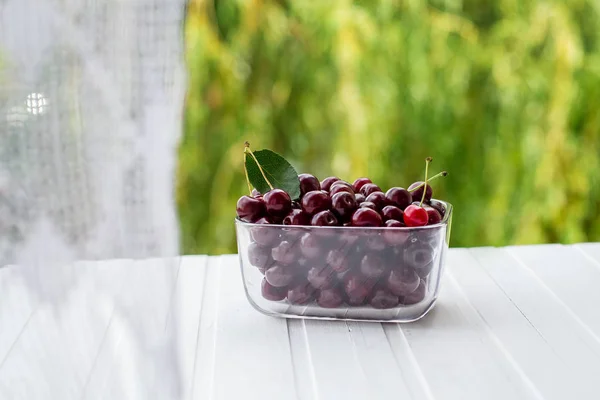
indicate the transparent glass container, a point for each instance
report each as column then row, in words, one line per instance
column 348, row 273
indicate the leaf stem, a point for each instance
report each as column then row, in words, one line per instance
column 443, row 173
column 247, row 150
column 427, row 161
column 247, row 177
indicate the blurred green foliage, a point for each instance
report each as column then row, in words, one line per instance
column 505, row 95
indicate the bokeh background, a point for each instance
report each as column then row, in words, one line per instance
column 503, row 94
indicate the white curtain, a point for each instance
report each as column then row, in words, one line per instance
column 91, row 103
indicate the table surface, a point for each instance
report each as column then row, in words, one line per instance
column 510, row 323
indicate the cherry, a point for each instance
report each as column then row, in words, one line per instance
column 418, row 193
column 324, row 218
column 377, row 198
column 357, row 288
column 316, row 201
column 368, row 204
column 327, row 182
column 343, row 204
column 271, row 292
column 395, row 237
column 403, row 281
column 311, row 245
column 340, row 186
column 417, row 296
column 383, row 299
column 419, row 255
column 285, row 253
column 372, row 265
column 439, row 207
column 433, row 216
column 359, row 198
column 308, row 183
column 278, row 202
column 256, row 193
column 321, row 277
column 399, row 197
column 279, row 276
column 369, row 188
column 338, row 260
column 415, row 216
column 366, row 217
column 330, row 298
column 259, row 256
column 359, row 183
column 250, row 209
column 264, row 236
column 300, row 293
column 296, row 217
column 392, row 212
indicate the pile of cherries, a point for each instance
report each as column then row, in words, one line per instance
column 383, row 268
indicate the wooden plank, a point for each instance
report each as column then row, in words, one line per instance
column 138, row 356
column 252, row 358
column 56, row 351
column 458, row 356
column 534, row 329
column 570, row 276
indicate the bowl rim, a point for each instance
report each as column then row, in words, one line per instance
column 444, row 222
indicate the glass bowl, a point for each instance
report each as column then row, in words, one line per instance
column 347, row 273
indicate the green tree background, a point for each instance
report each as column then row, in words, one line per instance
column 504, row 95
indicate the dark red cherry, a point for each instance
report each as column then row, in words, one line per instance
column 377, row 198
column 399, row 197
column 369, row 188
column 439, row 207
column 368, row 204
column 278, row 202
column 418, row 194
column 359, row 183
column 392, row 212
column 382, row 299
column 357, row 288
column 419, row 255
column 327, row 182
column 296, row 217
column 259, row 256
column 271, row 292
column 250, row 209
column 338, row 260
column 341, row 186
column 300, row 293
column 403, row 281
column 324, row 218
column 395, row 237
column 375, row 242
column 417, row 296
column 366, row 217
column 321, row 277
column 359, row 198
column 433, row 216
column 372, row 265
column 330, row 298
column 311, row 245
column 316, row 201
column 280, row 276
column 415, row 216
column 308, row 183
column 343, row 205
column 285, row 253
column 264, row 235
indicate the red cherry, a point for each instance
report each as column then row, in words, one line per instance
column 415, row 216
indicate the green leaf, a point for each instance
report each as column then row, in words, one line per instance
column 279, row 172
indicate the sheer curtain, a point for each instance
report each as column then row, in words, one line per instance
column 91, row 101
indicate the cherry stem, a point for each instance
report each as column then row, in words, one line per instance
column 246, row 172
column 427, row 161
column 247, row 150
column 443, row 173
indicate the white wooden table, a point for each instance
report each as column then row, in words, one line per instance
column 511, row 323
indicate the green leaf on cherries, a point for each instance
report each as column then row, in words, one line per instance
column 278, row 170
